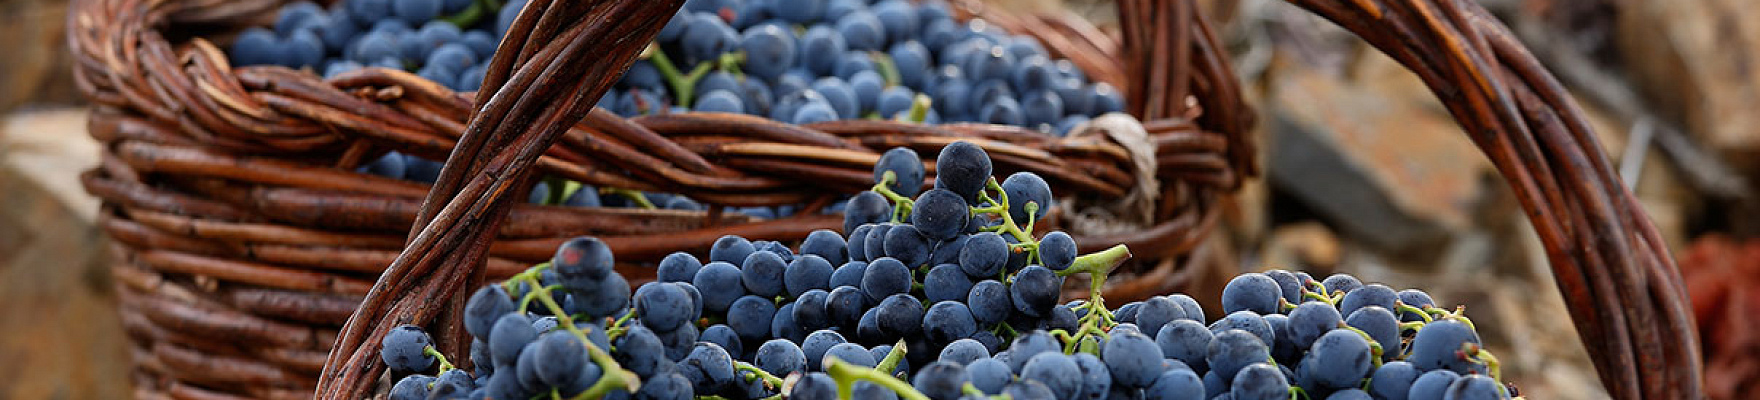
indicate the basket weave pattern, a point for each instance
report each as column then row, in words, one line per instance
column 246, row 238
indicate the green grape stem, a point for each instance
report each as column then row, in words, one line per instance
column 770, row 381
column 634, row 196
column 901, row 206
column 888, row 69
column 614, row 377
column 1483, row 356
column 919, row 111
column 892, row 358
column 683, row 85
column 470, row 15
column 846, row 374
column 1402, row 307
column 444, row 364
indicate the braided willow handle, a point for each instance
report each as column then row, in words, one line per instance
column 557, row 59
column 1622, row 287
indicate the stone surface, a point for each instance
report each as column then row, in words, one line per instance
column 1696, row 61
column 38, row 68
column 60, row 337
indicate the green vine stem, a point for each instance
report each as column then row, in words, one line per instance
column 634, row 196
column 846, row 375
column 890, row 363
column 770, row 381
column 469, row 17
column 444, row 364
column 683, row 85
column 614, row 376
column 919, row 111
column 1480, row 355
column 1402, row 307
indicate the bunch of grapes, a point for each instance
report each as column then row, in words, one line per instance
column 795, row 61
column 935, row 294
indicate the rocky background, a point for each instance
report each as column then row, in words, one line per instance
column 1366, row 173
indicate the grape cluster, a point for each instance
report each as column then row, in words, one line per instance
column 937, row 294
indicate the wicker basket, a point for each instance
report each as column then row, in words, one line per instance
column 1623, row 289
column 246, row 237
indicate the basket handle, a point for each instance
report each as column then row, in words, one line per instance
column 1622, row 287
column 556, row 60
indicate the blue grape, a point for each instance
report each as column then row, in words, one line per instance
column 413, row 387
column 1057, row 372
column 862, row 30
column 403, row 349
column 899, row 315
column 1155, row 312
column 415, row 11
column 940, row 214
column 1341, row 283
column 852, row 63
column 1475, row 387
column 1232, row 350
column 940, row 34
column 257, row 46
column 807, row 272
column 815, row 113
column 471, row 80
column 898, row 19
column 1002, row 110
column 849, row 274
column 784, row 325
column 1133, row 359
column 946, row 282
column 984, row 255
column 1251, row 292
column 1349, row 394
column 1415, row 298
column 797, row 11
column 1260, row 381
column 845, row 305
column 1310, row 320
column 780, row 357
column 1096, row 378
column 1289, row 286
column 1393, row 380
column 610, row 296
column 1214, row 385
column 640, row 351
column 762, row 273
column 911, row 59
column 894, row 100
column 1068, row 124
column 810, row 309
column 867, row 86
column 706, row 38
column 1246, row 321
column 947, row 321
column 1339, row 359
column 677, row 267
column 839, row 95
column 1027, row 187
column 1185, row 340
column 851, row 353
column 727, row 281
column 827, row 245
column 821, row 40
column 484, row 308
column 1194, row 311
column 941, row 380
column 1032, row 74
column 366, row 12
column 1057, row 250
column 757, row 97
column 731, row 249
column 1432, row 385
column 511, row 334
column 708, row 367
column 1437, row 343
column 1028, row 345
column 906, row 168
column 750, row 316
column 724, row 336
column 1022, row 46
column 962, row 167
column 987, row 63
column 640, row 102
column 885, row 276
column 1283, row 348
column 666, row 386
column 561, row 357
column 720, row 101
column 1370, row 295
column 582, row 261
column 868, row 328
column 1381, row 326
column 963, row 351
column 1104, row 99
column 947, row 251
column 989, row 375
column 1177, row 384
column 1035, row 290
column 908, row 245
column 1042, row 107
column 990, row 302
column 989, row 92
column 718, row 80
column 952, row 97
column 663, row 306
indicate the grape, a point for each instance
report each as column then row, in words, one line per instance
column 911, row 59
column 582, row 261
column 1415, row 298
column 839, row 95
column 850, row 274
column 724, row 336
column 1310, row 320
column 1234, row 349
column 989, row 302
column 403, row 349
column 962, row 167
column 906, row 168
column 640, row 102
column 1369, row 295
column 1057, row 250
column 1437, row 343
column 894, row 100
column 1035, row 290
column 963, row 351
column 1349, row 394
column 750, row 316
column 413, row 387
column 708, row 367
column 610, row 296
column 717, row 80
column 941, row 380
column 506, row 385
column 947, row 321
column 1193, row 310
column 784, row 325
column 762, row 273
column 1041, row 108
column 1393, row 381
column 1133, row 359
column 984, row 255
column 560, row 358
column 1289, row 287
column 677, row 267
column 640, row 351
column 471, row 80
column 885, row 276
column 1246, row 321
column 939, row 214
column 1127, row 313
column 1155, row 312
column 947, row 251
column 826, row 245
column 678, row 341
column 1028, row 187
column 1283, row 349
column 707, row 37
column 845, row 305
column 662, row 306
column 727, row 281
column 821, row 40
column 946, row 282
column 1034, row 73
column 1028, row 390
column 1475, row 387
column 1381, row 326
column 256, row 46
column 1104, row 99
column 1057, row 371
column 797, row 11
column 720, row 100
column 907, row 244
column 415, row 11
column 808, row 272
column 952, row 97
column 813, row 386
column 867, row 85
column 667, row 386
column 1069, row 124
column 1177, row 384
column 865, row 208
column 989, row 375
column 987, row 63
column 1001, row 109
column 1338, row 360
column 1432, row 385
column 1251, row 292
column 814, row 113
column 1341, row 283
column 898, row 19
column 900, row 315
column 1185, row 340
column 1260, row 382
column 862, row 30
column 851, row 353
column 868, row 328
column 484, row 308
column 511, row 334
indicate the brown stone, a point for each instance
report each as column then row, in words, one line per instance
column 38, row 67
